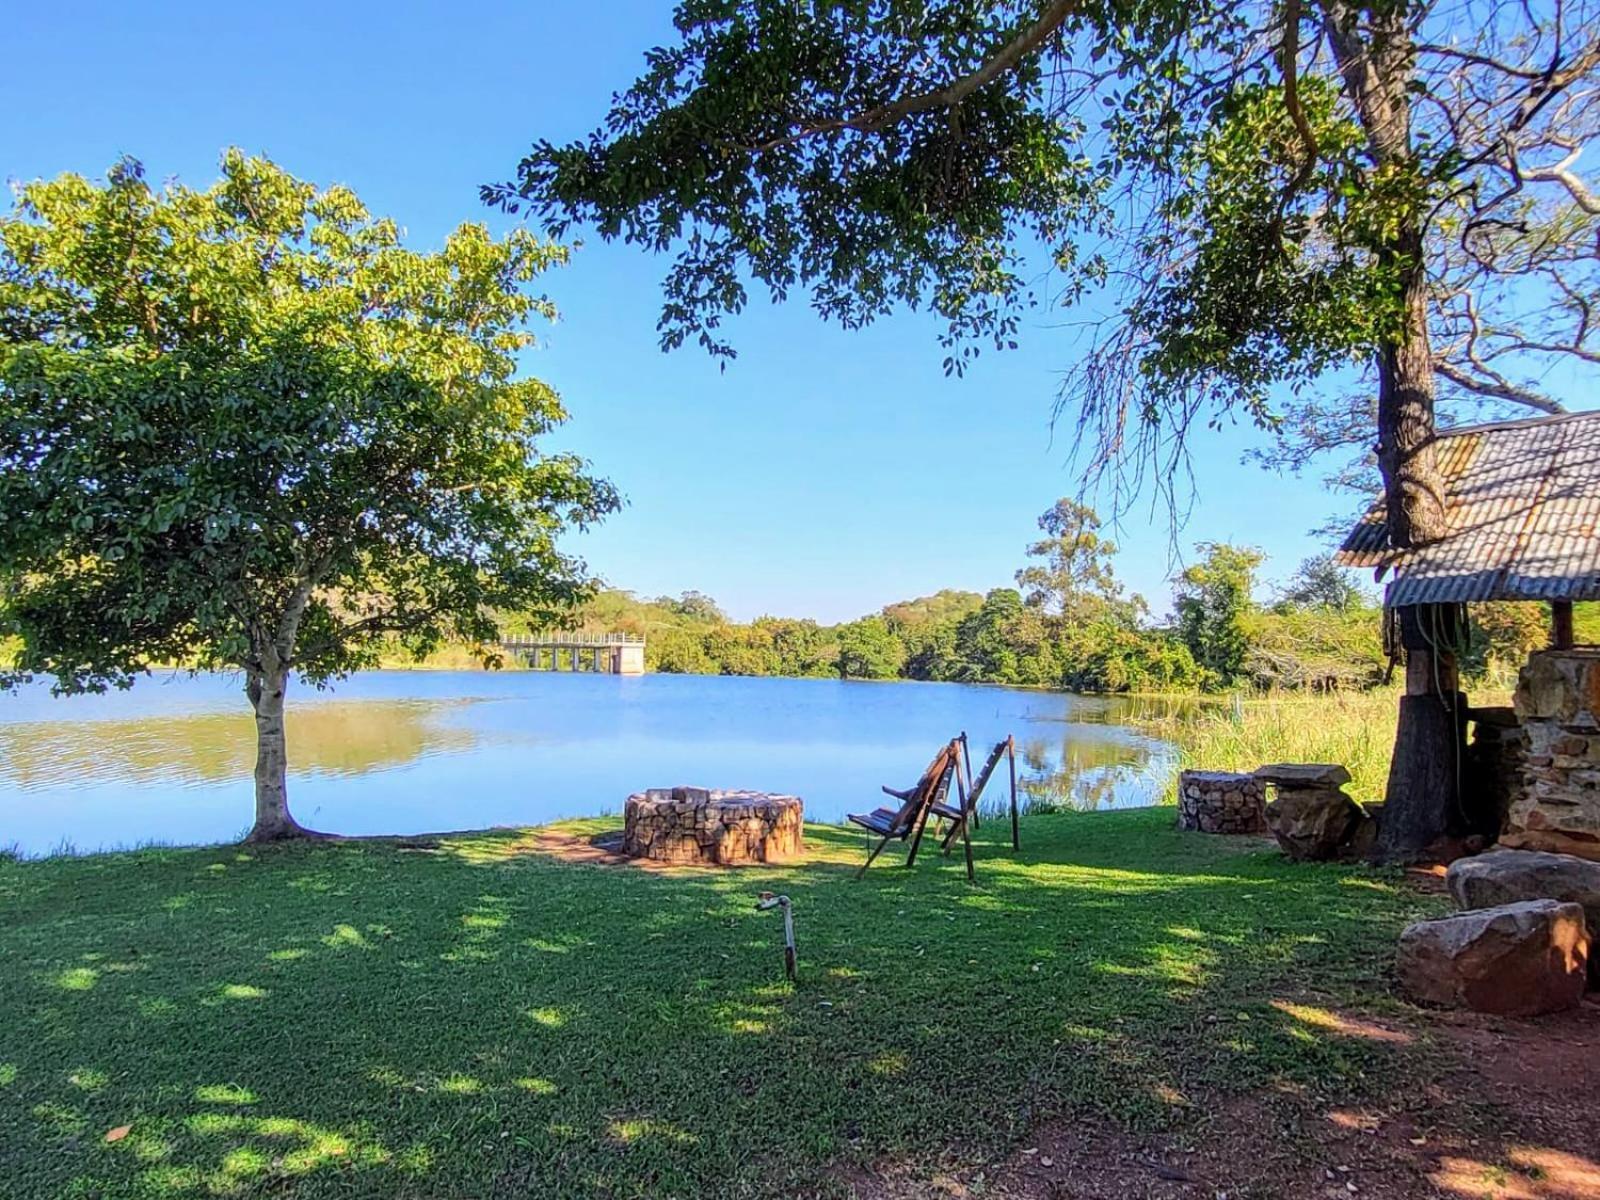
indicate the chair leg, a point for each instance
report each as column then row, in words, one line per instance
column 956, row 827
column 967, row 757
column 876, row 850
column 1011, row 754
column 916, row 839
column 966, row 838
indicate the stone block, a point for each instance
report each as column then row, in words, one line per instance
column 1313, row 823
column 1303, row 775
column 1561, row 686
column 1518, row 959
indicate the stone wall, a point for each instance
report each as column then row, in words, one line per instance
column 703, row 825
column 1221, row 802
column 1558, row 806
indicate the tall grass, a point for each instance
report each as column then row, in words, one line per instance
column 1355, row 729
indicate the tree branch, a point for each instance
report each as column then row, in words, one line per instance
column 1561, row 173
column 1009, row 55
column 1496, row 388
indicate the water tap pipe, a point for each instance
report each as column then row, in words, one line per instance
column 768, row 900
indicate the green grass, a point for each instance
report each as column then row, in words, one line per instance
column 1352, row 728
column 479, row 1020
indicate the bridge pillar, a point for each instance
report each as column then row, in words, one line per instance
column 630, row 659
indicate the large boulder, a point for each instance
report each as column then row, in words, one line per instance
column 1516, row 960
column 1313, row 823
column 1507, row 876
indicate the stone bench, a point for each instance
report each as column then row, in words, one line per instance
column 1310, row 814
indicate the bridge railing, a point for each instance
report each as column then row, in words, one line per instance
column 565, row 640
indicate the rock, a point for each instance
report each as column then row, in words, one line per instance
column 1553, row 841
column 1561, row 686
column 1507, row 876
column 1312, row 823
column 1516, row 960
column 1556, row 805
column 1303, row 775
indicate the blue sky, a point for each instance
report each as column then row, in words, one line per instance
column 822, row 474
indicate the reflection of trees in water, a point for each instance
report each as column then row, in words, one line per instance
column 1082, row 773
column 335, row 737
column 1134, row 710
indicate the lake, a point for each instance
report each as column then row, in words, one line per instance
column 420, row 751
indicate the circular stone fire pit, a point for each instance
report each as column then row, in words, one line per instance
column 704, row 825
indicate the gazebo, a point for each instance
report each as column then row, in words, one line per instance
column 1523, row 523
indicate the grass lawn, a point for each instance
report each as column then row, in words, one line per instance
column 481, row 1019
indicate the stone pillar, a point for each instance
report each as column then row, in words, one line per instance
column 1558, row 703
column 1221, row 802
column 630, row 658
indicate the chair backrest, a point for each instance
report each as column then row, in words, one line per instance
column 930, row 789
column 983, row 775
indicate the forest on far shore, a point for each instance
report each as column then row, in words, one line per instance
column 1068, row 623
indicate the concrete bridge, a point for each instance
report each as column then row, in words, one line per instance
column 607, row 653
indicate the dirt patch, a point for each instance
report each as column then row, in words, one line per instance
column 595, row 850
column 1513, row 1116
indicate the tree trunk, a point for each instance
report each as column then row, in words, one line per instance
column 1422, row 805
column 1423, row 802
column 1376, row 56
column 273, row 822
column 1414, row 491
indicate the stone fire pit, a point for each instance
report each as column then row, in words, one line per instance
column 703, row 825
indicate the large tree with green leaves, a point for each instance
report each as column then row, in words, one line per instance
column 247, row 428
column 1249, row 205
column 1074, row 577
column 1267, row 192
column 1212, row 599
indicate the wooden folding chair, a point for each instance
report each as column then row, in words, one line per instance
column 911, row 817
column 958, row 817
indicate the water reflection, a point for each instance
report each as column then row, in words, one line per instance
column 407, row 752
column 193, row 749
column 1069, row 772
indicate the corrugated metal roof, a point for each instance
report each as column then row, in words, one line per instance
column 1523, row 513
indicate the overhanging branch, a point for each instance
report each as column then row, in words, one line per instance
column 1496, row 387
column 1006, row 59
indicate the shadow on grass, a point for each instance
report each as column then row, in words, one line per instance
column 482, row 1018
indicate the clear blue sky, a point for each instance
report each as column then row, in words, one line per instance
column 823, row 474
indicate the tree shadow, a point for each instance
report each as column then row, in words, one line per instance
column 485, row 1018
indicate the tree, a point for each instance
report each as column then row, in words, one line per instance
column 1285, row 187
column 679, row 652
column 1267, row 193
column 868, row 650
column 986, row 648
column 1213, row 600
column 245, row 428
column 697, row 606
column 799, row 646
column 1076, row 574
column 1320, row 582
column 1502, row 634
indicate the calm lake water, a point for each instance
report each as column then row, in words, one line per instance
column 418, row 751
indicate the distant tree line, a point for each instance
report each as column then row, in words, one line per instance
column 1070, row 624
